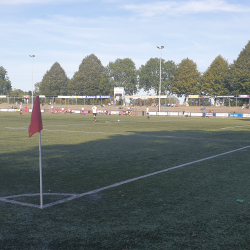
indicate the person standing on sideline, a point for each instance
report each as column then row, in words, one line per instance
column 147, row 111
column 21, row 108
column 94, row 112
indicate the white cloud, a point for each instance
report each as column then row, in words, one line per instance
column 68, row 36
column 185, row 7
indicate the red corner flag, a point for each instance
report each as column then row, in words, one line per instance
column 36, row 124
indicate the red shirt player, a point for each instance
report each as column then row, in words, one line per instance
column 25, row 110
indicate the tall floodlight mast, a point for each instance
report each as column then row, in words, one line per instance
column 159, row 109
column 32, row 77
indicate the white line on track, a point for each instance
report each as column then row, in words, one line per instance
column 75, row 196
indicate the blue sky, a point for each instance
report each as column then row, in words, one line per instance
column 66, row 31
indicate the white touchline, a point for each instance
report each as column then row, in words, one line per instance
column 86, row 132
column 236, row 127
column 75, row 196
column 145, row 135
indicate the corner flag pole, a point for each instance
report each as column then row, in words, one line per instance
column 40, row 170
column 36, row 125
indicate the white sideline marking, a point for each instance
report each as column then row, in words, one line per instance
column 86, row 132
column 25, row 128
column 236, row 127
column 144, row 135
column 141, row 135
column 188, row 137
column 104, row 122
column 75, row 196
column 6, row 199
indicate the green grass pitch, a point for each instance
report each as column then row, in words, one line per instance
column 191, row 207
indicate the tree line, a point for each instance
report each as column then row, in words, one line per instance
column 183, row 79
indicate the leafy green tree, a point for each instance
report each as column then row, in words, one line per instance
column 107, row 84
column 37, row 89
column 5, row 83
column 149, row 75
column 17, row 92
column 86, row 81
column 240, row 73
column 168, row 71
column 18, row 95
column 122, row 73
column 186, row 79
column 54, row 82
column 215, row 80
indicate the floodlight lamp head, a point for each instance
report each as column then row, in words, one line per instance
column 158, row 47
column 32, row 55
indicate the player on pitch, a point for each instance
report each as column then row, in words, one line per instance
column 26, row 110
column 147, row 112
column 94, row 112
column 21, row 108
